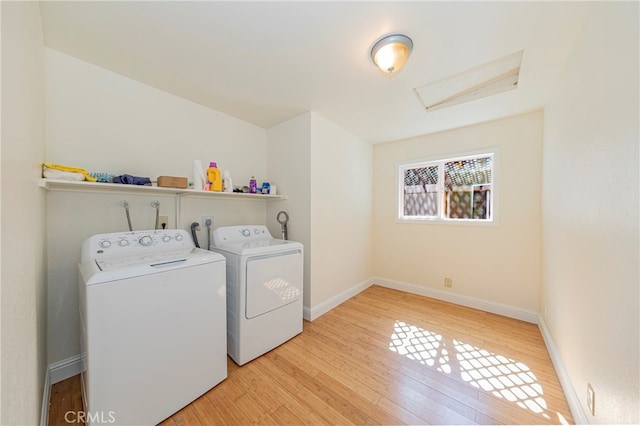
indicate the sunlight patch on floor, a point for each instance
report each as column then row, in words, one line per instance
column 420, row 345
column 501, row 376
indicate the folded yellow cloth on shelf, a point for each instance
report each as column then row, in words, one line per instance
column 83, row 172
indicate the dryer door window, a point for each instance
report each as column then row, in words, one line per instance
column 273, row 281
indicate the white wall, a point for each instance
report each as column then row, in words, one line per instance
column 105, row 122
column 499, row 264
column 590, row 214
column 326, row 174
column 288, row 165
column 23, row 341
column 102, row 121
column 341, row 217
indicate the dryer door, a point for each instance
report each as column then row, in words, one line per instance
column 273, row 281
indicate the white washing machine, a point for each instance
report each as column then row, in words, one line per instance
column 153, row 323
column 264, row 289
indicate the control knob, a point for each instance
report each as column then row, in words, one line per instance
column 146, row 240
column 179, row 237
column 123, row 243
column 166, row 238
column 105, row 243
column 246, row 232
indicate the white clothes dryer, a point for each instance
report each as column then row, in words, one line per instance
column 153, row 325
column 264, row 289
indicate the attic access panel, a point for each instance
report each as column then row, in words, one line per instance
column 478, row 82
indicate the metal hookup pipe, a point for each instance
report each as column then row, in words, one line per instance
column 283, row 223
column 125, row 204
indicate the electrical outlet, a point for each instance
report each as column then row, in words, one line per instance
column 165, row 220
column 591, row 399
column 204, row 221
column 448, row 282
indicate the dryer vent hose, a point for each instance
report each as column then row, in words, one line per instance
column 195, row 226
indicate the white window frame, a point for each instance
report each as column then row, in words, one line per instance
column 440, row 162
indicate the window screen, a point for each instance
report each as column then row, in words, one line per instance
column 447, row 189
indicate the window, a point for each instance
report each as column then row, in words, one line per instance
column 453, row 189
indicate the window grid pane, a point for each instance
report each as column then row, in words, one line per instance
column 421, row 192
column 468, row 188
column 421, row 176
column 473, row 171
column 448, row 189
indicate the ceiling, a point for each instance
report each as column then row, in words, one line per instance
column 265, row 62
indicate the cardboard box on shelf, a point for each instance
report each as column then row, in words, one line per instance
column 173, row 182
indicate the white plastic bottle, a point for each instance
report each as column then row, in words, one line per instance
column 198, row 175
column 227, row 185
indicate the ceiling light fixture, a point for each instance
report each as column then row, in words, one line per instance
column 391, row 52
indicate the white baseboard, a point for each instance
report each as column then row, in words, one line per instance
column 66, row 368
column 458, row 299
column 46, row 396
column 577, row 411
column 311, row 314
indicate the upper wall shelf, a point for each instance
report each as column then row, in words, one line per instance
column 84, row 186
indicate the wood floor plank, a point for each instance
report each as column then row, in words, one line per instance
column 251, row 408
column 188, row 416
column 397, row 411
column 207, row 412
column 330, row 389
column 359, row 373
column 284, row 416
column 276, row 375
column 268, row 395
column 332, row 415
column 430, row 405
column 383, row 357
column 310, row 356
column 226, row 406
column 66, row 402
column 483, row 419
column 302, row 412
column 297, row 359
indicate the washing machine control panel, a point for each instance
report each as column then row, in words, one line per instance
column 241, row 233
column 136, row 243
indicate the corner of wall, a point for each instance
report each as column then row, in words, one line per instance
column 24, row 289
column 579, row 416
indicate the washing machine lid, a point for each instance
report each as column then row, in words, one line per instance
column 244, row 240
column 248, row 248
column 98, row 271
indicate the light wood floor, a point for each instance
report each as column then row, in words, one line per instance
column 383, row 357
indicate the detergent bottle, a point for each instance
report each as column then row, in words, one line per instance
column 213, row 176
column 253, row 185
